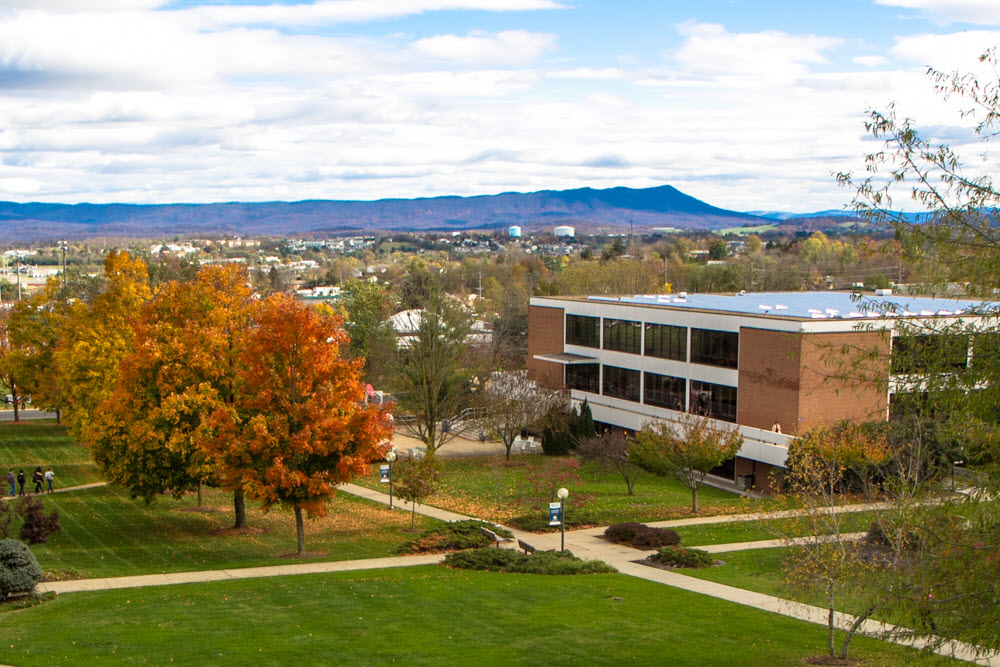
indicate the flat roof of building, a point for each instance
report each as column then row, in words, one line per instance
column 807, row 305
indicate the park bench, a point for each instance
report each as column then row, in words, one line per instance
column 493, row 537
column 528, row 549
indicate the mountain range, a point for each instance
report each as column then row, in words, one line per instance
column 588, row 209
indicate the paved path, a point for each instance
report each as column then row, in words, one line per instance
column 65, row 489
column 7, row 414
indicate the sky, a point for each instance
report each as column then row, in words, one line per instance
column 745, row 104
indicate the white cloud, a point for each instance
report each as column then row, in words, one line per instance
column 870, row 61
column 981, row 12
column 512, row 47
column 946, row 52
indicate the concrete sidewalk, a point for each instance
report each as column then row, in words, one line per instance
column 171, row 578
column 65, row 489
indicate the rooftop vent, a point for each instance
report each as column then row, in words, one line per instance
column 883, row 292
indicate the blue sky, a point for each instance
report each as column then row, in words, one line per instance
column 747, row 105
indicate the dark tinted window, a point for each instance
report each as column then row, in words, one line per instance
column 713, row 400
column 666, row 342
column 582, row 330
column 939, row 353
column 621, row 383
column 585, row 377
column 664, row 391
column 715, row 348
column 622, row 335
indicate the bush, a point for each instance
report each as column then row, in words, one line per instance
column 641, row 536
column 682, row 557
column 654, row 538
column 19, row 571
column 556, row 440
column 492, row 559
column 453, row 537
column 538, row 523
column 37, row 525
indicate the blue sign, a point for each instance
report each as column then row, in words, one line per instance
column 555, row 514
column 384, row 469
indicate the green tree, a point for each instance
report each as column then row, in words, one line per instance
column 416, row 480
column 686, row 451
column 369, row 306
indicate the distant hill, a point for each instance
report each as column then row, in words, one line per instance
column 784, row 215
column 588, row 209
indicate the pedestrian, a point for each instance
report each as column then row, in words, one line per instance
column 10, row 480
column 37, row 478
column 48, row 478
column 20, row 482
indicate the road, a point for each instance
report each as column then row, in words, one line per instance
column 7, row 415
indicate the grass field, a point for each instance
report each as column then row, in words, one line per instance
column 105, row 534
column 417, row 616
column 750, row 531
column 25, row 445
column 468, row 486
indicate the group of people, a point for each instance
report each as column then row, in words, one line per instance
column 17, row 482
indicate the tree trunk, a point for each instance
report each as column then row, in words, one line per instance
column 300, row 530
column 240, row 505
column 199, row 493
column 694, row 499
column 413, row 515
column 830, row 625
column 13, row 392
column 508, row 448
column 58, row 416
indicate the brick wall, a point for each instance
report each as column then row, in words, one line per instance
column 769, row 379
column 826, row 395
column 545, row 336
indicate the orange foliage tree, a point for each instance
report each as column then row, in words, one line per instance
column 298, row 426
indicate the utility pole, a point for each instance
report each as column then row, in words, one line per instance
column 18, row 277
column 63, row 244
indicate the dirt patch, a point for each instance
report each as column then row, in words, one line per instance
column 304, row 555
column 231, row 532
column 830, row 660
column 663, row 566
column 204, row 509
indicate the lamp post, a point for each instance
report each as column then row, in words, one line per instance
column 563, row 494
column 390, row 456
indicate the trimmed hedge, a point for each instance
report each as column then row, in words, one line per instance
column 641, row 536
column 493, row 559
column 453, row 537
column 682, row 557
column 19, row 571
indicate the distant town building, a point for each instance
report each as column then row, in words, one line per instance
column 514, row 232
column 564, row 230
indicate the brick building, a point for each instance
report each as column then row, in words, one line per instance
column 770, row 363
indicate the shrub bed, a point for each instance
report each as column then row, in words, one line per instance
column 492, row 559
column 682, row 557
column 641, row 536
column 453, row 537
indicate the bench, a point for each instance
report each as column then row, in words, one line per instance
column 528, row 549
column 417, row 452
column 492, row 537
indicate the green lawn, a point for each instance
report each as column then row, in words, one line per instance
column 415, row 616
column 751, row 531
column 468, row 487
column 106, row 534
column 27, row 444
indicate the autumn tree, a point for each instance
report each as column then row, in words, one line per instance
column 611, row 451
column 96, row 337
column 432, row 376
column 511, row 402
column 687, row 450
column 298, row 426
column 10, row 369
column 823, row 465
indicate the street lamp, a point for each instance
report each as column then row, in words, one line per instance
column 390, row 456
column 563, row 494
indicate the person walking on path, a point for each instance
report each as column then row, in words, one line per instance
column 10, row 480
column 37, row 478
column 20, row 482
column 48, row 478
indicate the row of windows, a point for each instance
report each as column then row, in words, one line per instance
column 708, row 399
column 710, row 347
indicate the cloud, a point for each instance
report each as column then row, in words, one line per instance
column 512, row 47
column 870, row 61
column 980, row 12
column 709, row 48
column 946, row 52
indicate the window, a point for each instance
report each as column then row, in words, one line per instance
column 622, row 336
column 621, row 383
column 666, row 342
column 582, row 330
column 585, row 377
column 940, row 353
column 713, row 400
column 664, row 391
column 715, row 348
